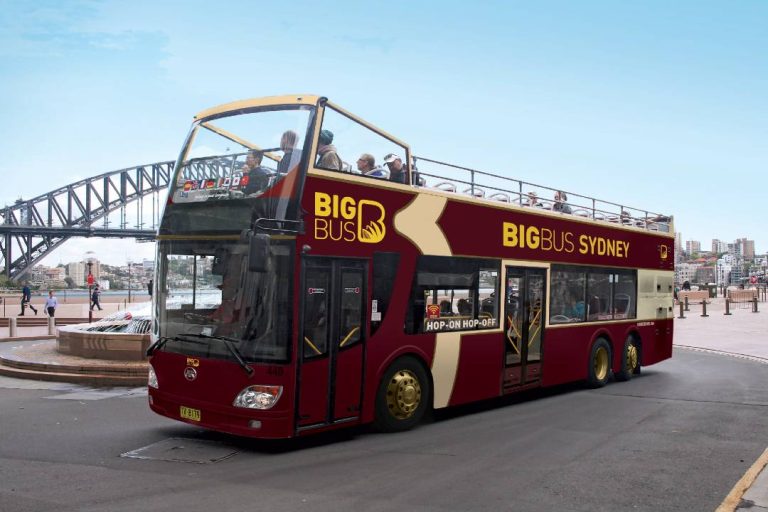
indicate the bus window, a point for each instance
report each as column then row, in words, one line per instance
column 567, row 296
column 599, row 288
column 345, row 138
column 625, row 305
column 453, row 294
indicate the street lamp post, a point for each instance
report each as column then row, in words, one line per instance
column 129, row 281
column 90, row 290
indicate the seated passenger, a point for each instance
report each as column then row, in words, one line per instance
column 258, row 176
column 445, row 308
column 464, row 307
column 533, row 200
column 366, row 165
column 327, row 158
column 396, row 168
column 560, row 202
column 291, row 155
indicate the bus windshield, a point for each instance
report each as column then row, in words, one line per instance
column 206, row 292
column 237, row 168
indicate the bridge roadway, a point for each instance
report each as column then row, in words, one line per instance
column 689, row 434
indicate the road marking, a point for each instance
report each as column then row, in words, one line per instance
column 756, row 359
column 733, row 499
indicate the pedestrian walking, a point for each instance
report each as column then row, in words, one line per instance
column 26, row 299
column 95, row 296
column 51, row 303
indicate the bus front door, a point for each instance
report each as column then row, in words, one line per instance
column 333, row 348
column 523, row 326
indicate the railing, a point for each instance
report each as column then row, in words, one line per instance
column 480, row 184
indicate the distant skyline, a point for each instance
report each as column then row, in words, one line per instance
column 656, row 105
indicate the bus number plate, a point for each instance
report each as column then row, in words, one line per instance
column 189, row 413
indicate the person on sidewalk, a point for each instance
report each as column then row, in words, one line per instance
column 26, row 299
column 51, row 303
column 95, row 296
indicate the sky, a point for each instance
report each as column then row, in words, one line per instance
column 657, row 105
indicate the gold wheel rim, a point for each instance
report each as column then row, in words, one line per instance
column 403, row 394
column 632, row 357
column 600, row 363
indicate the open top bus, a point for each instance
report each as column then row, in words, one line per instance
column 295, row 293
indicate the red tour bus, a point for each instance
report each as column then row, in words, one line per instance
column 301, row 287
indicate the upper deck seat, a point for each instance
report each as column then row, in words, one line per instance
column 500, row 196
column 477, row 192
column 446, row 186
column 581, row 213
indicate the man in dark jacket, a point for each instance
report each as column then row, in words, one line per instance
column 26, row 299
column 396, row 168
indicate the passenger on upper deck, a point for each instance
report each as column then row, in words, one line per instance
column 396, row 168
column 291, row 155
column 533, row 200
column 366, row 164
column 327, row 158
column 258, row 176
column 560, row 202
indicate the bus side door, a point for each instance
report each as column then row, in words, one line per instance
column 333, row 348
column 523, row 325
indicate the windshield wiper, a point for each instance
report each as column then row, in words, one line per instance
column 228, row 343
column 159, row 344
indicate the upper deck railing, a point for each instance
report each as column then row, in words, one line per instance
column 480, row 184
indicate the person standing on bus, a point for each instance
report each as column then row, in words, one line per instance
column 327, row 158
column 26, row 299
column 51, row 303
column 258, row 176
column 396, row 168
column 560, row 202
column 291, row 155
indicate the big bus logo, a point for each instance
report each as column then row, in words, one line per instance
column 343, row 218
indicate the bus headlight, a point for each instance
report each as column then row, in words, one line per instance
column 152, row 378
column 258, row 397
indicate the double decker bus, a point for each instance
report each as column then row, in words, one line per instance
column 301, row 288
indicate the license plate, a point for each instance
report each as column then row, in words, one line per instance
column 189, row 414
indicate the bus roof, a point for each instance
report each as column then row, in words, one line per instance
column 288, row 99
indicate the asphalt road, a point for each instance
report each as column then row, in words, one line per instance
column 676, row 438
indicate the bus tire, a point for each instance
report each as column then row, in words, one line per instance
column 403, row 396
column 599, row 370
column 630, row 359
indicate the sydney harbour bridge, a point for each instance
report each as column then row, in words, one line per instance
column 117, row 204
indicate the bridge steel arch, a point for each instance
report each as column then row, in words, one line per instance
column 37, row 226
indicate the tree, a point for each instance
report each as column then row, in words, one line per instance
column 70, row 282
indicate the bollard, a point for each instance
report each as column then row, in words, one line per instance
column 686, row 303
column 727, row 306
column 90, row 316
column 754, row 305
column 12, row 327
column 51, row 326
column 681, row 310
column 704, row 308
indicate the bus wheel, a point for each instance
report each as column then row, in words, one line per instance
column 630, row 359
column 599, row 364
column 403, row 396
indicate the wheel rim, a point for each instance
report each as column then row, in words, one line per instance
column 601, row 363
column 632, row 357
column 403, row 394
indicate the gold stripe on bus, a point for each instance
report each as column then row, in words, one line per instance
column 444, row 366
column 293, row 99
column 417, row 222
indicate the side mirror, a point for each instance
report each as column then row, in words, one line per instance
column 258, row 253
